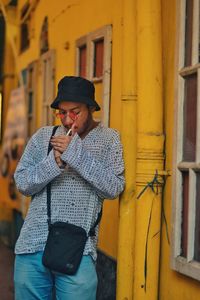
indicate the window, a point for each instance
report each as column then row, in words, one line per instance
column 82, row 61
column 98, row 58
column 31, row 98
column 93, row 61
column 44, row 37
column 81, row 57
column 186, row 186
column 24, row 27
column 13, row 2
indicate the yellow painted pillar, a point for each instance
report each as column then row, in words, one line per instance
column 127, row 204
column 150, row 145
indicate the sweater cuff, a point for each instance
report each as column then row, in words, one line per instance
column 52, row 166
column 73, row 152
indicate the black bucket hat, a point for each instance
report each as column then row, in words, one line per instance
column 75, row 89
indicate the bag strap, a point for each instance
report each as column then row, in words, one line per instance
column 92, row 230
column 49, row 184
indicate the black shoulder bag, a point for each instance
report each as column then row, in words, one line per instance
column 65, row 242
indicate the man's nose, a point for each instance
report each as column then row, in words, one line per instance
column 68, row 120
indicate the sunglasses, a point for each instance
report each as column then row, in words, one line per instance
column 62, row 114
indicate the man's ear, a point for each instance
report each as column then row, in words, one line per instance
column 92, row 109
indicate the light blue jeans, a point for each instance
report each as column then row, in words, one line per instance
column 35, row 282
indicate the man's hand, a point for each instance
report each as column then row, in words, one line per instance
column 60, row 144
column 58, row 160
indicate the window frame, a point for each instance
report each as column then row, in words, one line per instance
column 47, row 80
column 32, row 67
column 89, row 40
column 185, row 265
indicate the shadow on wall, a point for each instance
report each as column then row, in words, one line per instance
column 6, row 272
column 106, row 271
column 9, row 231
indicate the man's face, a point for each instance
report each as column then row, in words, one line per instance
column 75, row 113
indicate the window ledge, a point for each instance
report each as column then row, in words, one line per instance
column 191, row 268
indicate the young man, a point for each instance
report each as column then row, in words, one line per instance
column 84, row 168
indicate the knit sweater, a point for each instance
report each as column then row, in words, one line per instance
column 94, row 172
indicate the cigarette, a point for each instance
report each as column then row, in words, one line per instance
column 69, row 132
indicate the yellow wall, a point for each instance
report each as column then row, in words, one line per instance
column 173, row 285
